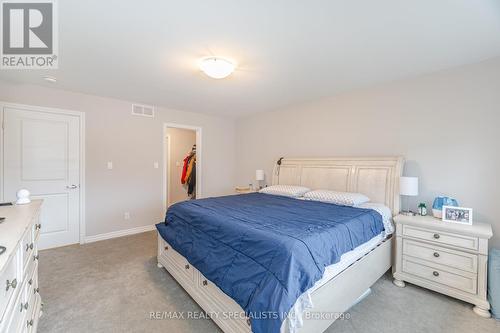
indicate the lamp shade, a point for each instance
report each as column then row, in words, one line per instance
column 408, row 186
column 259, row 175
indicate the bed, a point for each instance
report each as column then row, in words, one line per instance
column 245, row 245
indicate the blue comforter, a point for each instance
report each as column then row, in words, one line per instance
column 264, row 251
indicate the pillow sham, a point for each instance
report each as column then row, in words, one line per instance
column 285, row 190
column 339, row 198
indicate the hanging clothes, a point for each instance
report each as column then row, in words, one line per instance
column 192, row 180
column 189, row 170
column 188, row 176
column 185, row 168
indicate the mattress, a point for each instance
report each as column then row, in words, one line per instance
column 347, row 259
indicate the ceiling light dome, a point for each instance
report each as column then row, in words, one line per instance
column 217, row 67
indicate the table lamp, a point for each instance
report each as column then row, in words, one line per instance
column 408, row 187
column 259, row 176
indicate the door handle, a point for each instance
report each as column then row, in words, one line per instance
column 71, row 187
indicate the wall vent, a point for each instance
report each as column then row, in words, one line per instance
column 143, row 110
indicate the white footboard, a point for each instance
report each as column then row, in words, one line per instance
column 334, row 297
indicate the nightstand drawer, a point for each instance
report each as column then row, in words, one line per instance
column 436, row 274
column 455, row 259
column 459, row 241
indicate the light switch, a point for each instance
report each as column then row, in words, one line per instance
column 155, row 165
column 110, row 165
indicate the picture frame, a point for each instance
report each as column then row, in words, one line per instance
column 460, row 215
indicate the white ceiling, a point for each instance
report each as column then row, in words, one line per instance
column 288, row 51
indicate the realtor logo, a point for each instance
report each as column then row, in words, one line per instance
column 29, row 34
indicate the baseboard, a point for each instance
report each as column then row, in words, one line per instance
column 119, row 233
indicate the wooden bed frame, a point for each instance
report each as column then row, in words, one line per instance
column 378, row 178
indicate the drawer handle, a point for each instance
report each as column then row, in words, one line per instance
column 30, row 282
column 436, row 236
column 29, row 247
column 166, row 248
column 24, row 306
column 436, row 254
column 38, row 226
column 205, row 282
column 186, row 267
column 29, row 323
column 12, row 284
column 435, row 273
column 36, row 290
column 36, row 257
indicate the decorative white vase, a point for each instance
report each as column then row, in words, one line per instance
column 23, row 197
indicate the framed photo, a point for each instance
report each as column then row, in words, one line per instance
column 457, row 214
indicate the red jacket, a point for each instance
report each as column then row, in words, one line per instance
column 184, row 170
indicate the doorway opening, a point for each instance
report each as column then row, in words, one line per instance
column 182, row 163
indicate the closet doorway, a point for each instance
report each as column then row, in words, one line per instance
column 182, row 163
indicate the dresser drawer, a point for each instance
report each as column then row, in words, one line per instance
column 459, row 241
column 32, row 319
column 443, row 256
column 10, row 282
column 438, row 274
column 182, row 266
column 32, row 298
column 35, row 228
column 27, row 246
column 17, row 315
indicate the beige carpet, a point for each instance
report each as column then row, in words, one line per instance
column 114, row 285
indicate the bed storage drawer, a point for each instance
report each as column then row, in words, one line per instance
column 182, row 266
column 440, row 255
column 224, row 305
column 441, row 275
column 459, row 241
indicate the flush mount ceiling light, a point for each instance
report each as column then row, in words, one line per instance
column 217, row 67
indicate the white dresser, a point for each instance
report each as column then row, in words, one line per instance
column 449, row 258
column 20, row 303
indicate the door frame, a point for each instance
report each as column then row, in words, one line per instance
column 166, row 153
column 167, row 138
column 41, row 109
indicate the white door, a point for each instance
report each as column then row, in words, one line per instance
column 42, row 154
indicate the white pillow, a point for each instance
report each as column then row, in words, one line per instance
column 339, row 198
column 285, row 190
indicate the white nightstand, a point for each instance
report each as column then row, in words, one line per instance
column 449, row 258
column 242, row 190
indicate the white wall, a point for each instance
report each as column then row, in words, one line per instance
column 133, row 144
column 445, row 124
column 181, row 143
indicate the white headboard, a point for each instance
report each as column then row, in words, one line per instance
column 375, row 177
